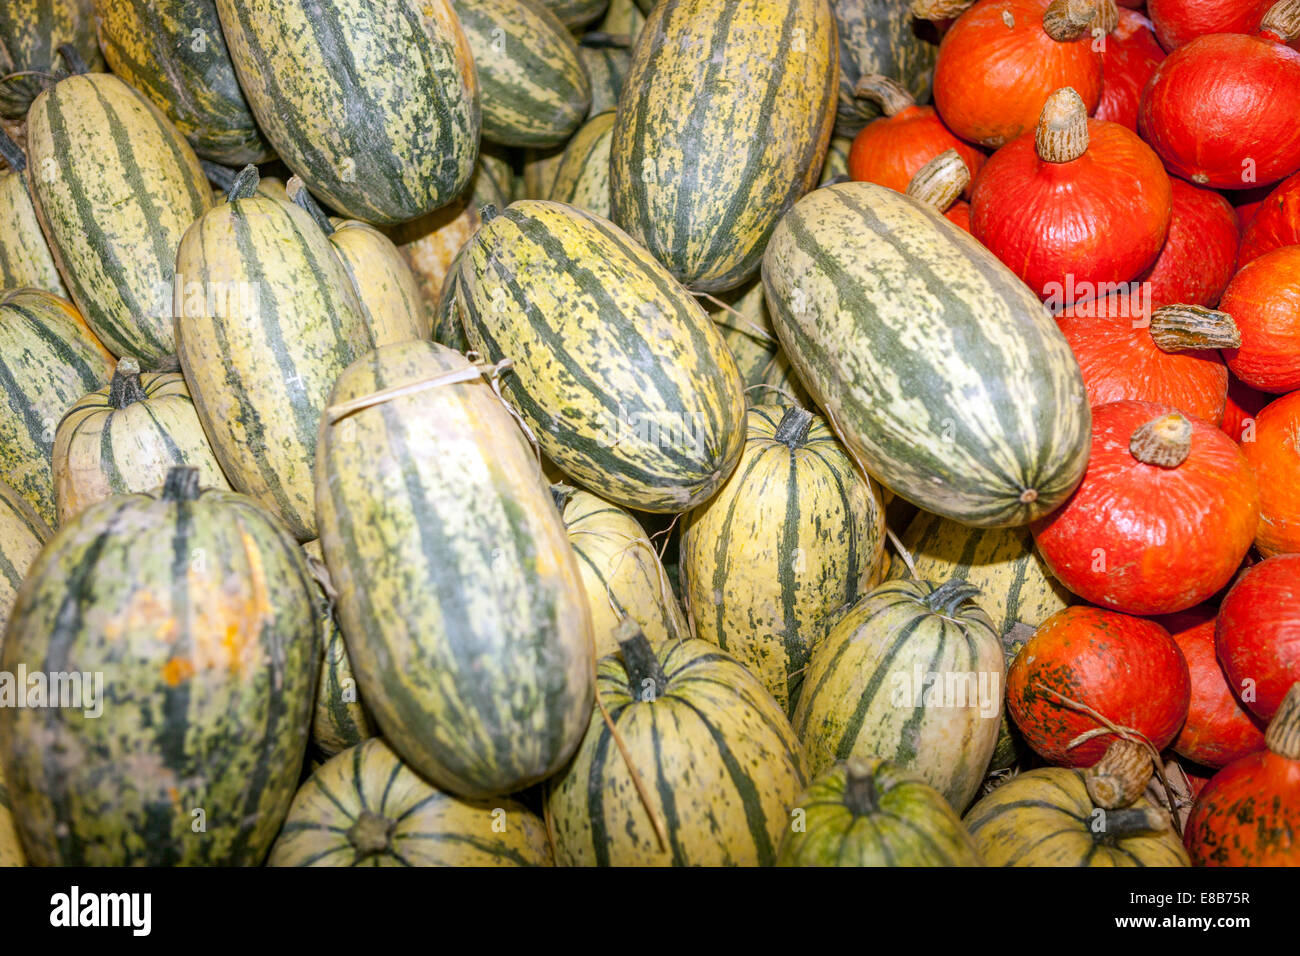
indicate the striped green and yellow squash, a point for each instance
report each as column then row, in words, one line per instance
column 782, row 382
column 266, row 321
column 173, row 51
column 386, row 289
column 364, row 807
column 341, row 719
column 22, row 535
column 748, row 334
column 793, row 536
column 116, row 186
column 1015, row 585
column 448, row 325
column 719, row 762
column 48, row 360
column 880, row 36
column 582, row 178
column 31, row 32
column 534, row 89
column 25, row 258
column 537, row 175
column 942, row 372
column 870, row 813
column 576, row 13
column 912, row 673
column 193, row 611
column 1045, row 817
column 622, row 575
column 374, row 105
column 622, row 19
column 11, row 846
column 125, row 437
column 622, row 378
column 722, row 126
column 606, row 58
column 837, row 160
column 458, row 591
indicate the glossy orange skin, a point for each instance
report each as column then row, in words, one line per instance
column 1100, row 218
column 1264, row 300
column 1150, row 540
column 1243, row 404
column 1126, row 668
column 1248, row 815
column 1276, row 222
column 1112, row 343
column 1275, row 455
column 1178, row 22
column 1223, row 106
column 1219, row 728
column 959, row 212
column 1199, row 256
column 991, row 80
column 1128, row 61
column 1257, row 632
column 891, row 150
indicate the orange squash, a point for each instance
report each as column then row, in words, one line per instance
column 1263, row 298
column 1274, row 453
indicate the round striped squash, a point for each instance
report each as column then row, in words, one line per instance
column 116, row 185
column 870, row 813
column 741, row 316
column 1045, row 817
column 48, row 360
column 22, row 535
column 374, row 105
column 912, row 673
column 941, row 371
column 622, row 575
column 722, row 125
column 795, row 535
column 194, row 608
column 622, row 378
column 11, row 847
column 341, row 719
column 173, row 51
column 606, row 57
column 31, row 32
column 576, row 13
column 25, row 258
column 262, row 340
column 364, row 807
column 582, row 179
column 1015, row 586
column 720, row 765
column 125, row 437
column 458, row 592
column 534, row 89
column 879, row 37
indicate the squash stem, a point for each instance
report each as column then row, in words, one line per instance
column 940, row 181
column 181, row 484
column 1283, row 734
column 1120, row 776
column 370, row 834
column 1165, row 441
column 598, row 39
column 641, row 662
column 1176, row 328
column 561, row 493
column 947, row 597
column 11, row 153
column 891, row 95
column 1282, row 21
column 860, row 790
column 1067, row 20
column 73, row 58
column 1129, row 822
column 126, row 388
column 245, row 184
column 303, row 199
column 223, row 177
column 793, row 427
column 1062, row 132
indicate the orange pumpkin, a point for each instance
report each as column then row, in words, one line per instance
column 1274, row 453
column 1239, row 412
column 1199, row 256
column 1275, row 223
column 1263, row 298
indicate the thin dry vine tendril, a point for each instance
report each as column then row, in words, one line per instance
column 664, row 533
column 21, row 73
column 1119, row 730
column 660, row 830
column 335, row 413
column 775, row 388
column 762, row 333
column 902, row 551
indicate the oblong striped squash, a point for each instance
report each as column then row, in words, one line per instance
column 582, row 178
column 941, row 371
column 116, row 185
column 879, row 37
column 390, row 300
column 741, row 315
column 783, row 385
column 261, row 340
column 194, row 608
column 912, row 673
column 794, row 535
column 25, row 258
column 458, row 592
column 534, row 89
column 365, row 807
column 125, row 437
column 173, row 51
column 606, row 59
column 374, row 105
column 720, row 764
column 619, row 373
column 31, row 32
column 1014, row 584
column 870, row 813
column 341, row 719
column 11, row 847
column 622, row 575
column 22, row 535
column 48, row 360
column 576, row 13
column 722, row 125
column 1045, row 817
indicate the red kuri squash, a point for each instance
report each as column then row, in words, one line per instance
column 1076, row 203
column 1239, row 412
column 1178, row 22
column 1263, row 298
column 1128, row 669
column 1275, row 223
column 1257, row 633
column 1128, row 60
column 1166, row 511
column 1199, row 256
column 1274, row 452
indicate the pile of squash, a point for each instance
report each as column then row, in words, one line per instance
column 616, row 432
